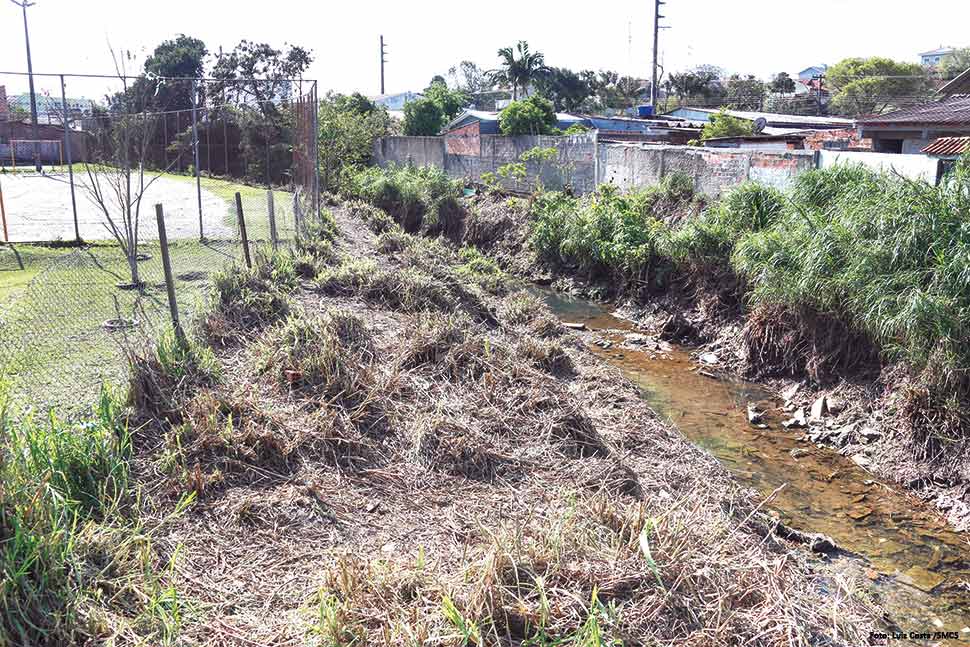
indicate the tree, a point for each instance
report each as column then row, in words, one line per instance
column 450, row 101
column 258, row 79
column 531, row 116
column 422, row 117
column 702, row 82
column 470, row 79
column 519, row 72
column 863, row 86
column 349, row 125
column 724, row 125
column 165, row 84
column 566, row 89
column 116, row 173
column 781, row 83
column 744, row 93
column 955, row 63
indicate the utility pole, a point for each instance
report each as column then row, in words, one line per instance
column 819, row 78
column 656, row 37
column 383, row 60
column 23, row 4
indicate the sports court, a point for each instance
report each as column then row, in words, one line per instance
column 38, row 208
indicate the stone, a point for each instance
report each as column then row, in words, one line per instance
column 574, row 325
column 921, row 578
column 709, row 358
column 859, row 513
column 637, row 338
column 791, row 391
column 797, row 421
column 819, row 409
column 835, row 405
column 799, row 452
column 862, row 461
column 754, row 415
column 869, row 435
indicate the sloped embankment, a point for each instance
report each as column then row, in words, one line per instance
column 394, row 448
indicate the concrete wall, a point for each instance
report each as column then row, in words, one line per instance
column 915, row 167
column 583, row 162
column 468, row 156
column 714, row 170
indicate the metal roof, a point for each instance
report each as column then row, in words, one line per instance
column 959, row 85
column 953, row 110
column 946, row 146
column 468, row 115
column 939, row 51
column 772, row 117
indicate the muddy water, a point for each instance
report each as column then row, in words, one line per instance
column 919, row 569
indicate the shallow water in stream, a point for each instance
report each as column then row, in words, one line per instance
column 920, row 569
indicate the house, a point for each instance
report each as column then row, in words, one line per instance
column 933, row 57
column 51, row 150
column 910, row 130
column 841, row 139
column 50, row 109
column 397, row 101
column 948, row 150
column 810, row 73
column 471, row 123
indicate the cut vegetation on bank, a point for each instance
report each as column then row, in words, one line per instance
column 851, row 276
column 378, row 440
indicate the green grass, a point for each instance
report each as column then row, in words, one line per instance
column 415, row 197
column 54, row 346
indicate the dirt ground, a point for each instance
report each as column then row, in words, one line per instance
column 461, row 471
column 38, row 208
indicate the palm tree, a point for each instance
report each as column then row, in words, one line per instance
column 519, row 72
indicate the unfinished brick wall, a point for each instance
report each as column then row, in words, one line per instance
column 465, row 140
column 847, row 139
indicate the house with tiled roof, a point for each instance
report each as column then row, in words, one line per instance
column 912, row 129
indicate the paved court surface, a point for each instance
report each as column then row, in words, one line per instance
column 38, row 208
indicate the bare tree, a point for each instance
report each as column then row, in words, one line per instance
column 118, row 170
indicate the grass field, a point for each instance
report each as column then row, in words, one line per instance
column 54, row 345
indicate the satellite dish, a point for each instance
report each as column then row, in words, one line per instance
column 759, row 124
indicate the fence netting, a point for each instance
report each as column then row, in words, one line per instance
column 79, row 191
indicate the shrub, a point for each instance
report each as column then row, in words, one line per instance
column 532, row 116
column 411, row 195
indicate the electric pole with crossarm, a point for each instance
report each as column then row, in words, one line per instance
column 656, row 38
column 23, row 4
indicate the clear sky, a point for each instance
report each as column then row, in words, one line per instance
column 425, row 38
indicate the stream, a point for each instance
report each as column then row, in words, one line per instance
column 918, row 567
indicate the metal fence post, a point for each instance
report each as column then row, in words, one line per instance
column 3, row 217
column 195, row 152
column 272, row 219
column 169, row 279
column 70, row 160
column 316, row 157
column 297, row 216
column 242, row 231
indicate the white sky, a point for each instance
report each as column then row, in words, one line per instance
column 426, row 38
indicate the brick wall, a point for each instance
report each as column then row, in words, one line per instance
column 583, row 163
column 465, row 140
column 4, row 110
column 847, row 139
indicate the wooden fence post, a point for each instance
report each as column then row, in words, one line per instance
column 169, row 279
column 242, row 231
column 272, row 219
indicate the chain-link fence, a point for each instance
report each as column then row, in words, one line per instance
column 204, row 149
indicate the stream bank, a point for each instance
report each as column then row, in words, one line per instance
column 919, row 568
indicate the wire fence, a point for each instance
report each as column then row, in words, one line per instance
column 67, row 311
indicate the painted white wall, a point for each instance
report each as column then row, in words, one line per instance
column 915, row 167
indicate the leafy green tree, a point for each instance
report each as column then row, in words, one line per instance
column 782, row 83
column 699, row 84
column 531, row 116
column 862, row 86
column 423, row 117
column 469, row 78
column 450, row 101
column 566, row 89
column 744, row 92
column 258, row 71
column 349, row 125
column 724, row 125
column 182, row 57
column 518, row 72
column 955, row 63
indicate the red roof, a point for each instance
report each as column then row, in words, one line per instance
column 946, row 146
column 953, row 110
